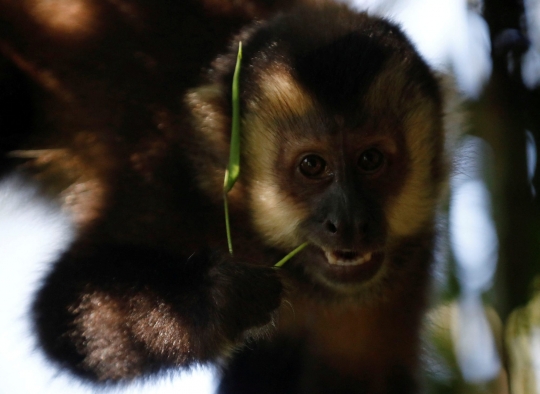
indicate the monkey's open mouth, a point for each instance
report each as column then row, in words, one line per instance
column 347, row 257
column 351, row 266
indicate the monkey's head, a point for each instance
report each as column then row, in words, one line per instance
column 342, row 143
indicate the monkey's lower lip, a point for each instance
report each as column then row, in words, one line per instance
column 346, row 266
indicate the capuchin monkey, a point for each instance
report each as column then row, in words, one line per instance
column 128, row 108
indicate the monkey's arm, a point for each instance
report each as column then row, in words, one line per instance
column 110, row 312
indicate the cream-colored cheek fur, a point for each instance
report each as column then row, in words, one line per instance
column 416, row 203
column 275, row 215
column 408, row 212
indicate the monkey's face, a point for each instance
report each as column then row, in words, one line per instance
column 342, row 146
column 354, row 181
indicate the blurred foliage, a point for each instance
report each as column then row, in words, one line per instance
column 445, row 373
column 502, row 116
column 523, row 345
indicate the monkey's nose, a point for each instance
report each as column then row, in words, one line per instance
column 346, row 232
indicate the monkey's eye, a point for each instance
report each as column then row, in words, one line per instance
column 370, row 160
column 312, row 166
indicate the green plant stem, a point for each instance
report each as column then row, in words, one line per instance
column 233, row 169
column 227, row 223
column 290, row 255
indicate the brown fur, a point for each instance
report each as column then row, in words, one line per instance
column 131, row 128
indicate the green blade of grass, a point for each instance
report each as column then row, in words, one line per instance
column 227, row 223
column 233, row 169
column 290, row 255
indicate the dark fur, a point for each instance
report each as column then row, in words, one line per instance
column 133, row 111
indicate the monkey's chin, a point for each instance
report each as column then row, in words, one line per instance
column 347, row 267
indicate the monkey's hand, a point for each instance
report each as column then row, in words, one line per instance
column 244, row 295
column 110, row 312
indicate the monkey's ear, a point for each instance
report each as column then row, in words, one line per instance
column 210, row 115
column 210, row 123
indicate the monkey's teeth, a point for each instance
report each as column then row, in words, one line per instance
column 347, row 258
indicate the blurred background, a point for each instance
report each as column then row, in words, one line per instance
column 483, row 331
